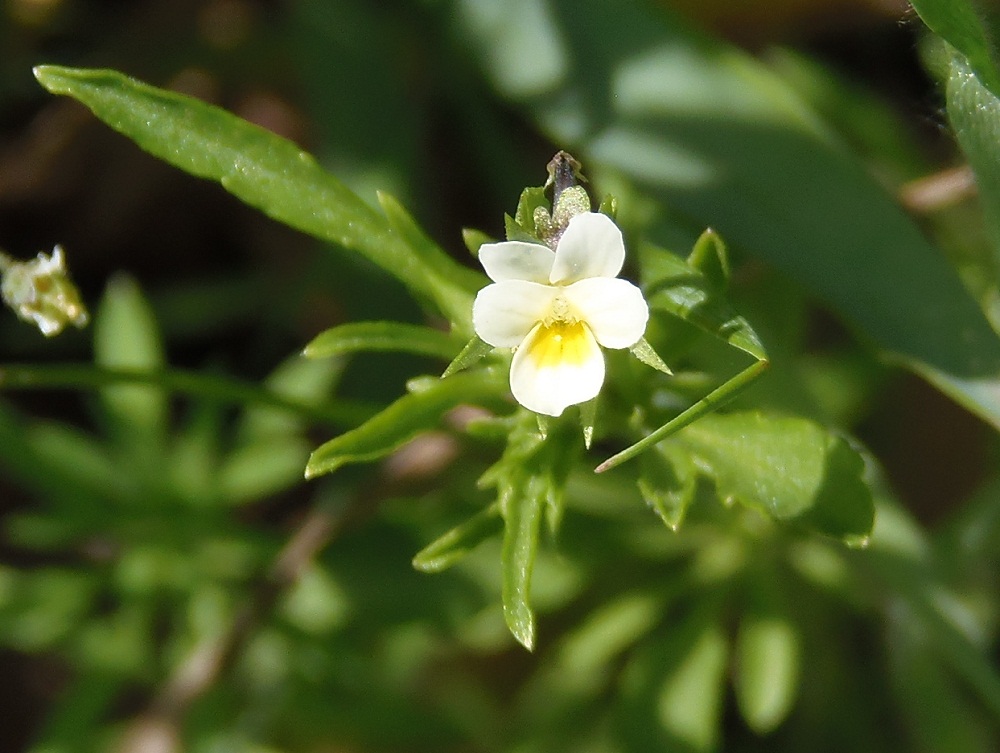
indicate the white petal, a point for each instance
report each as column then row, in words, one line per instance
column 504, row 312
column 613, row 309
column 516, row 260
column 591, row 246
column 557, row 367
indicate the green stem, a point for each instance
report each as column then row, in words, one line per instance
column 74, row 376
column 713, row 400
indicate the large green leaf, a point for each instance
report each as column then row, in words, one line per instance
column 788, row 468
column 709, row 132
column 270, row 173
column 963, row 25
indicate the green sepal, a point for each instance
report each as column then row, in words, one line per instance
column 588, row 417
column 475, row 350
column 517, row 233
column 609, row 206
column 383, row 337
column 531, row 199
column 709, row 256
column 645, row 353
column 402, row 421
column 474, row 239
column 451, row 547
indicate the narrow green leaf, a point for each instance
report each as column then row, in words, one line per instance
column 267, row 172
column 788, row 468
column 522, row 506
column 963, row 25
column 689, row 704
column 381, row 336
column 126, row 337
column 767, row 666
column 448, row 549
column 475, row 350
column 402, row 421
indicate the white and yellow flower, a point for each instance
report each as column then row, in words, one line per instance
column 557, row 309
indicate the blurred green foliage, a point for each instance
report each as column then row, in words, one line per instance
column 169, row 577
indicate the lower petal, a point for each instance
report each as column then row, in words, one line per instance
column 556, row 367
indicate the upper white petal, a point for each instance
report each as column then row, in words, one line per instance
column 549, row 386
column 504, row 312
column 591, row 246
column 614, row 310
column 517, row 260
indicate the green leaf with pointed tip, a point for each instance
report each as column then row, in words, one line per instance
column 381, row 336
column 126, row 336
column 474, row 239
column 709, row 256
column 403, row 420
column 705, row 129
column 448, row 549
column 271, row 174
column 645, row 353
column 475, row 350
column 788, row 468
column 667, row 483
column 522, row 504
column 674, row 286
column 964, row 26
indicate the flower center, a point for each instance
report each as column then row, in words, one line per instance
column 560, row 343
column 560, row 313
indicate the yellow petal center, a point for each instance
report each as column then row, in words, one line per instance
column 560, row 343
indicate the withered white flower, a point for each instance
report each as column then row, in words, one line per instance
column 557, row 309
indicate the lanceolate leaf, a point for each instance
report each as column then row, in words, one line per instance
column 962, row 24
column 402, row 421
column 788, row 468
column 267, row 172
column 381, row 336
column 459, row 541
column 522, row 505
